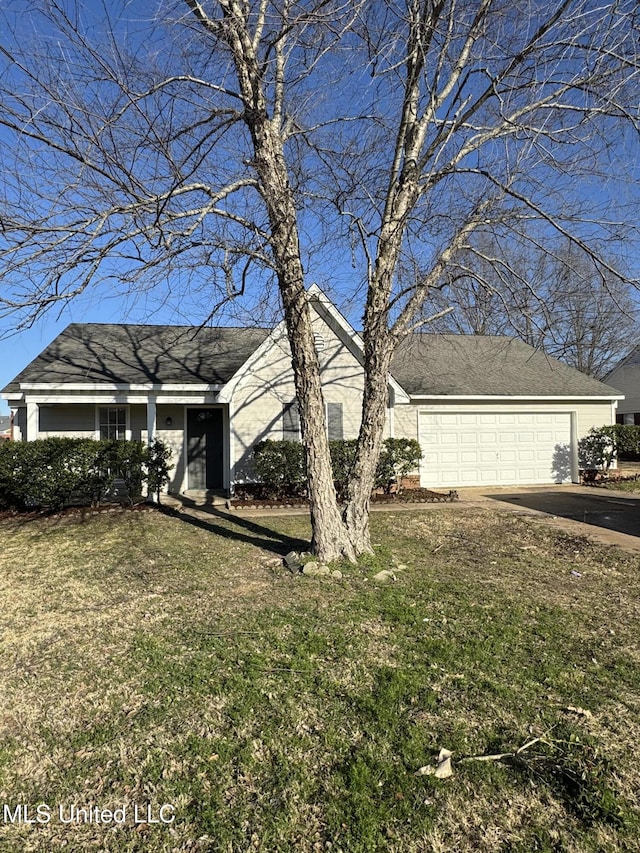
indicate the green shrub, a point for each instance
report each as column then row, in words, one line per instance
column 158, row 455
column 399, row 456
column 54, row 472
column 281, row 466
column 602, row 445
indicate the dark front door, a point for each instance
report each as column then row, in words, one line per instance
column 204, row 448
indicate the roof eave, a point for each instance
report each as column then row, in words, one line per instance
column 508, row 397
column 152, row 387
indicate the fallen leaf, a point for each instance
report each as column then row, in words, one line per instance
column 581, row 712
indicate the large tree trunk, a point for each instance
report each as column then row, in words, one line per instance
column 330, row 539
column 378, row 351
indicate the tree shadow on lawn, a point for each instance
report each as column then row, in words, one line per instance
column 240, row 530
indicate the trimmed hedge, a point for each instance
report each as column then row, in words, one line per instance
column 54, row 472
column 281, row 465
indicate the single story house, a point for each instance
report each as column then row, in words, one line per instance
column 626, row 376
column 486, row 410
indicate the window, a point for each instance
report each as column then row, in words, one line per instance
column 112, row 422
column 291, row 422
column 628, row 418
column 335, row 431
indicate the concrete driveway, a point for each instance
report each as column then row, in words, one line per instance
column 607, row 515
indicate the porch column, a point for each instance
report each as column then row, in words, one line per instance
column 32, row 421
column 151, row 420
column 575, row 462
column 151, row 434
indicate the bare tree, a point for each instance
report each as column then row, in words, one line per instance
column 226, row 136
column 554, row 299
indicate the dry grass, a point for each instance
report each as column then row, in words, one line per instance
column 150, row 659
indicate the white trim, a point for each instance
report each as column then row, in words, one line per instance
column 127, row 428
column 478, row 398
column 573, row 444
column 152, row 419
column 114, row 386
column 232, row 447
column 126, row 399
column 32, row 422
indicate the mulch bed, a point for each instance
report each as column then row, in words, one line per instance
column 81, row 511
column 408, row 496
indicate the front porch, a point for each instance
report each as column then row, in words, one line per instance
column 197, row 432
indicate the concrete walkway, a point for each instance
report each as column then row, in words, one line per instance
column 492, row 498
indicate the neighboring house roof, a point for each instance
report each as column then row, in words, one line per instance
column 5, row 423
column 474, row 365
column 630, row 359
column 132, row 355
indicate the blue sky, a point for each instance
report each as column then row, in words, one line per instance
column 333, row 271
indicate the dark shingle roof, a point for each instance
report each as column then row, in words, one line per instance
column 423, row 364
column 487, row 365
column 129, row 354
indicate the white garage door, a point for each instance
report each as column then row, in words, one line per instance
column 502, row 448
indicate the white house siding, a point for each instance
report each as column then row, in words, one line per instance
column 405, row 421
column 259, row 398
column 595, row 414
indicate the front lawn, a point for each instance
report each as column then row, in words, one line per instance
column 150, row 661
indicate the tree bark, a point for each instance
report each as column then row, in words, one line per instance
column 330, row 539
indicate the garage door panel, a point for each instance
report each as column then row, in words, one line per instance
column 448, row 438
column 479, row 448
column 526, row 455
column 488, row 438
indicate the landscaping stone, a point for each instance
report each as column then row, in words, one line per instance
column 314, row 569
column 293, row 562
column 337, row 574
column 385, row 576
